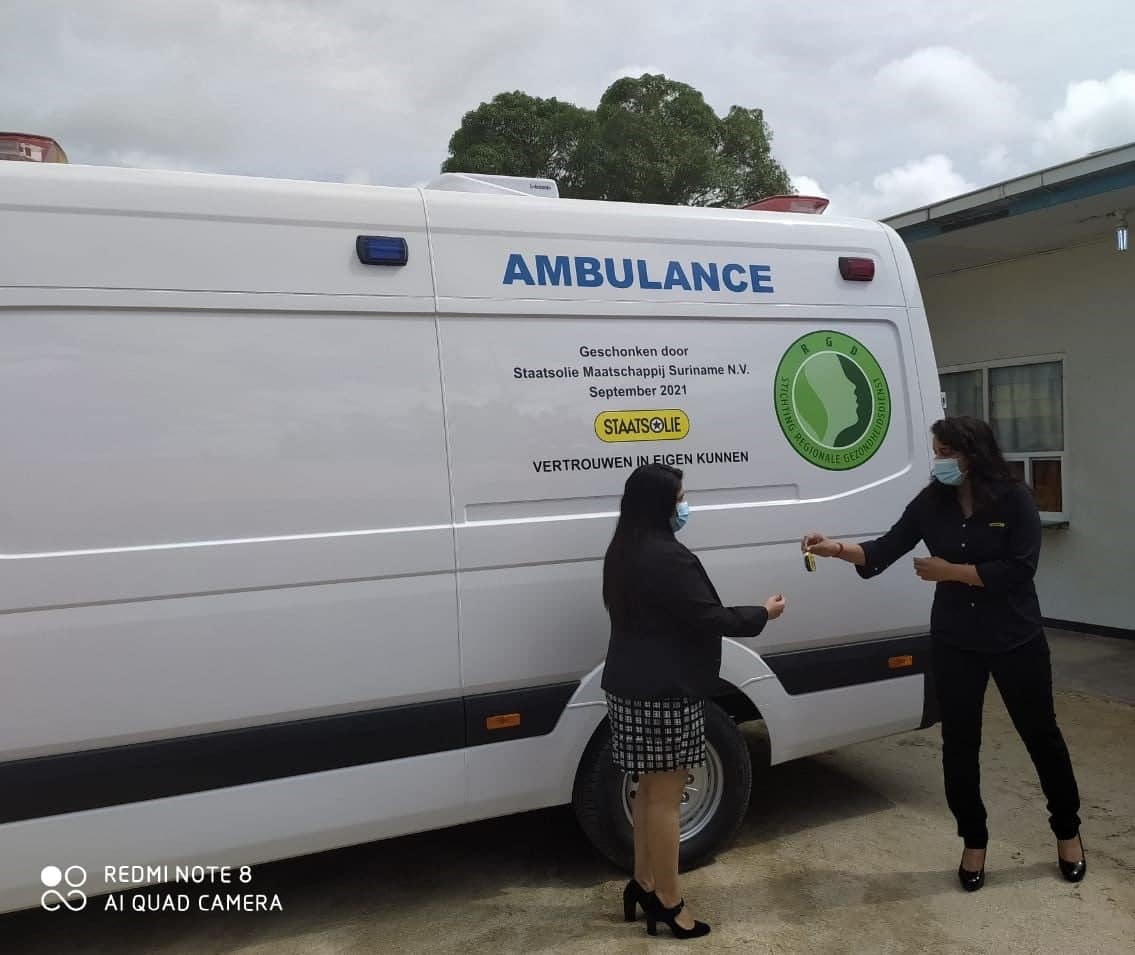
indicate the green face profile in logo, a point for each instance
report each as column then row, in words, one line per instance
column 832, row 400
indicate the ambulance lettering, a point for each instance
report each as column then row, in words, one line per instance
column 585, row 271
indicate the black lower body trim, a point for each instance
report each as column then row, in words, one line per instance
column 110, row 776
column 852, row 664
column 538, row 709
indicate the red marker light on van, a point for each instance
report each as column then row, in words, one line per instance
column 809, row 204
column 856, row 270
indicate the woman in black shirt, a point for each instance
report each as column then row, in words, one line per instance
column 663, row 660
column 982, row 529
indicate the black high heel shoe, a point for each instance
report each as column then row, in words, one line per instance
column 669, row 916
column 1074, row 871
column 634, row 895
column 972, row 881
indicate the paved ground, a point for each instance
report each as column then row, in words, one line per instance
column 848, row 852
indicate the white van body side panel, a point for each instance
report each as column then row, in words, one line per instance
column 811, row 723
column 797, row 725
column 530, row 541
column 311, row 813
column 802, row 251
column 550, row 763
column 215, row 457
column 259, row 484
column 212, row 511
column 925, row 364
column 533, row 539
column 98, row 227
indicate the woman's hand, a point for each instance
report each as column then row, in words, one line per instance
column 775, row 606
column 934, row 569
column 818, row 544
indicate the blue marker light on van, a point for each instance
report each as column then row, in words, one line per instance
column 382, row 250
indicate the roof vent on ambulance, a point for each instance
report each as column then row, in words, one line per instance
column 499, row 185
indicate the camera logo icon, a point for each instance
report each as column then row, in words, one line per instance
column 64, row 888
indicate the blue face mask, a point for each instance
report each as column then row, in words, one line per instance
column 947, row 471
column 681, row 515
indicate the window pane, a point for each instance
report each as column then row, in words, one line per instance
column 1018, row 468
column 963, row 393
column 1048, row 485
column 1026, row 406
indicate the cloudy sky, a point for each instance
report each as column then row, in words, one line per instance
column 882, row 105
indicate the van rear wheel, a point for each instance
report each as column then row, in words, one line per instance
column 714, row 801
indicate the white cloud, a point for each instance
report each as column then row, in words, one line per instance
column 985, row 133
column 917, row 183
column 945, row 98
column 807, row 186
column 145, row 159
column 1000, row 163
column 921, row 182
column 1095, row 115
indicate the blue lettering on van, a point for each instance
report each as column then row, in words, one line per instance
column 706, row 277
column 549, row 274
column 730, row 270
column 587, row 271
column 644, row 280
column 626, row 279
column 762, row 278
column 675, row 276
column 517, row 270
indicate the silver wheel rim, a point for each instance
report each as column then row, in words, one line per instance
column 701, row 797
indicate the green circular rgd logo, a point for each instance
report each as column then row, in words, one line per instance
column 832, row 400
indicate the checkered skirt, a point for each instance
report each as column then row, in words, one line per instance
column 656, row 736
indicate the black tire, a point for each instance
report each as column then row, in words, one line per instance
column 598, row 796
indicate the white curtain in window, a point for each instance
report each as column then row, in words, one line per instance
column 1026, row 406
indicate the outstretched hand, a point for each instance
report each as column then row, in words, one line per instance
column 818, row 544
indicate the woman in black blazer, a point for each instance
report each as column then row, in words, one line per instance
column 663, row 660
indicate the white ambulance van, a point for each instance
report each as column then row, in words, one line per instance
column 306, row 489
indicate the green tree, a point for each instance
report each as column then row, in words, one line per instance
column 652, row 139
column 520, row 135
column 657, row 142
column 746, row 169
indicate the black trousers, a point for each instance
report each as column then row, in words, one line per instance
column 1024, row 678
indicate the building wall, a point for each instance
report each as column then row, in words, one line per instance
column 1079, row 303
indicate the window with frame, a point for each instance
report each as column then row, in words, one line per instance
column 1024, row 403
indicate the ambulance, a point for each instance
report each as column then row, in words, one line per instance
column 306, row 490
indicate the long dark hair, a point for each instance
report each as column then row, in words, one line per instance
column 649, row 498
column 987, row 467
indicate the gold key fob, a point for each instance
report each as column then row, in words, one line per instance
column 809, row 562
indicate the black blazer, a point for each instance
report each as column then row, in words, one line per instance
column 669, row 641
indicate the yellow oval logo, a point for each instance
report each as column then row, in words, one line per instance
column 668, row 425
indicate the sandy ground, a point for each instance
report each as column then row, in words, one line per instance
column 852, row 851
